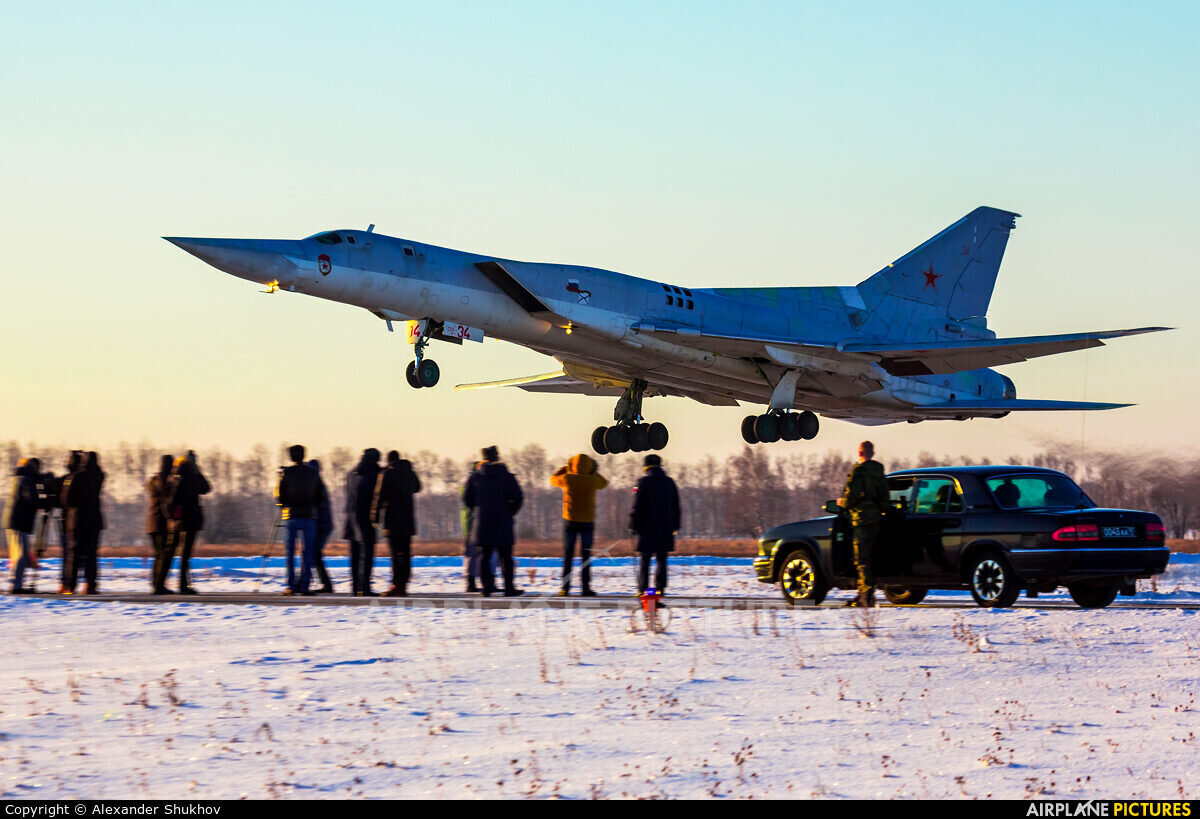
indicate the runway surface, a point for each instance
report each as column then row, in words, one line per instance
column 528, row 601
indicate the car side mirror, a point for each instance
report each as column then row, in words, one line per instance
column 832, row 507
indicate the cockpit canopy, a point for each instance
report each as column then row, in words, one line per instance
column 330, row 238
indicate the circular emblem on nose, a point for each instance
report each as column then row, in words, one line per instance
column 324, row 264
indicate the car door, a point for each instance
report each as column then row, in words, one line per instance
column 891, row 558
column 932, row 531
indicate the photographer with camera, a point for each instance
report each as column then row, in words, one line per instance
column 184, row 513
column 19, row 517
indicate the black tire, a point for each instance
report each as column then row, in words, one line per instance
column 1092, row 597
column 904, row 596
column 800, row 579
column 810, row 425
column 598, row 440
column 766, row 427
column 411, row 374
column 639, row 437
column 659, row 436
column 789, row 427
column 616, row 439
column 748, row 433
column 428, row 372
column 992, row 581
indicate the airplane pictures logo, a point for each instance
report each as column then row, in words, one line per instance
column 585, row 296
column 324, row 265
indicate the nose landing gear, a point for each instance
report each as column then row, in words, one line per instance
column 779, row 425
column 423, row 372
column 630, row 432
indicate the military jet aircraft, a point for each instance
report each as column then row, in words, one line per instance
column 910, row 343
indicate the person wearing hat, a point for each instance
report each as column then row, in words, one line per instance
column 578, row 481
column 494, row 498
column 186, row 515
column 655, row 520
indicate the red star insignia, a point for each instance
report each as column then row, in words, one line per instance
column 931, row 277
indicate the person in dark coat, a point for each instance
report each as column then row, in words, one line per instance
column 392, row 508
column 655, row 520
column 87, row 522
column 299, row 492
column 66, row 522
column 162, row 538
column 324, row 530
column 20, row 515
column 186, row 516
column 360, row 527
column 494, row 498
column 470, row 550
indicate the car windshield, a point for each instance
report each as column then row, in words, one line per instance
column 1037, row 492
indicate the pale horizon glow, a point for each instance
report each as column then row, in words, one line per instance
column 776, row 144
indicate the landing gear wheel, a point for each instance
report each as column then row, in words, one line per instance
column 904, row 596
column 789, row 427
column 658, row 436
column 639, row 437
column 809, row 425
column 616, row 439
column 598, row 440
column 411, row 374
column 766, row 427
column 1092, row 597
column 993, row 583
column 748, row 433
column 428, row 372
column 800, row 580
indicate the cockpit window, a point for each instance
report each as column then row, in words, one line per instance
column 330, row 238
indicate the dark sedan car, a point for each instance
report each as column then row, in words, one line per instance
column 995, row 530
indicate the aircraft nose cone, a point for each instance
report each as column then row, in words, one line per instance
column 259, row 260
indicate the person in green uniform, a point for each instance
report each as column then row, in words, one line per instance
column 865, row 498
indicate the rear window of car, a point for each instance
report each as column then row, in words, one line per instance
column 1037, row 492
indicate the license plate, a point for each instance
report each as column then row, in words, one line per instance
column 1119, row 531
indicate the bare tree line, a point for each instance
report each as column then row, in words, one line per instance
column 738, row 497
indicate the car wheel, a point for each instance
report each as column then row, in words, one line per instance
column 904, row 596
column 1092, row 597
column 993, row 582
column 800, row 579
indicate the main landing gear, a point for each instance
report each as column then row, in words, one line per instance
column 780, row 425
column 630, row 432
column 423, row 372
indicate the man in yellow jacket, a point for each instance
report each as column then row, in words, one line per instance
column 578, row 481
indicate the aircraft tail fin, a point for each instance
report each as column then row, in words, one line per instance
column 954, row 271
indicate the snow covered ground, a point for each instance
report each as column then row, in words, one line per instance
column 114, row 700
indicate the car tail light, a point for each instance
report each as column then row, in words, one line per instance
column 1079, row 532
column 1156, row 531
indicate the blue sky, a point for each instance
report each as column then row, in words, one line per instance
column 705, row 143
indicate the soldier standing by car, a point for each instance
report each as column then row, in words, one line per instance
column 865, row 498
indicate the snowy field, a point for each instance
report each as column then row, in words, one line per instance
column 196, row 701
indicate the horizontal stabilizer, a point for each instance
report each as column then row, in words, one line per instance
column 960, row 356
